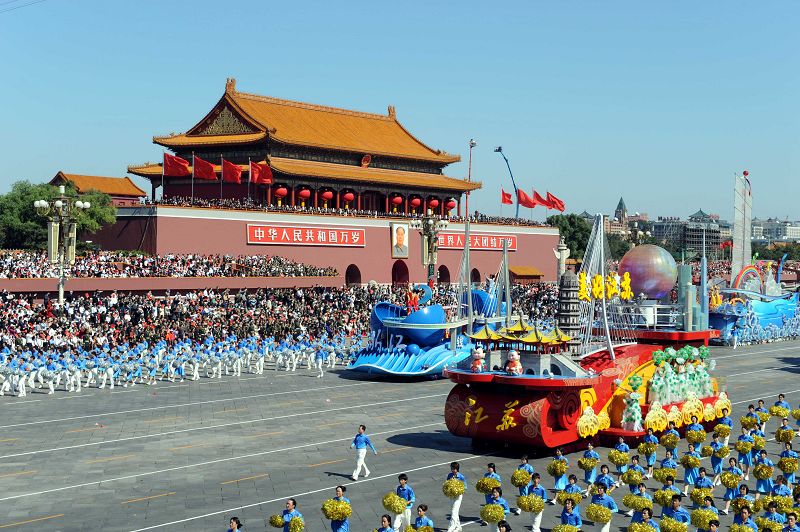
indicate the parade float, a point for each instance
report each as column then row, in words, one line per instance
column 590, row 376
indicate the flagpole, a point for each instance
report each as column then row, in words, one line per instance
column 222, row 175
column 162, row 174
column 192, row 177
column 249, row 176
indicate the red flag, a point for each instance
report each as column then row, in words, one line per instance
column 175, row 166
column 260, row 174
column 525, row 200
column 204, row 170
column 555, row 202
column 540, row 200
column 231, row 173
column 505, row 198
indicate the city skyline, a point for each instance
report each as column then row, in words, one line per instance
column 584, row 102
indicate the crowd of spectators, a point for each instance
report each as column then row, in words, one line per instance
column 109, row 264
column 248, row 204
column 95, row 319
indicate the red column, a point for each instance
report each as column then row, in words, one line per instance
column 358, row 200
column 405, row 205
column 459, row 208
column 292, row 196
column 269, row 194
column 425, row 206
column 316, row 198
column 338, row 195
column 387, row 203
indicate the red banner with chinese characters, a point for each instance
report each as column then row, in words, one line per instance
column 287, row 235
column 478, row 242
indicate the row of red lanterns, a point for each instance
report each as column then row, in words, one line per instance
column 327, row 195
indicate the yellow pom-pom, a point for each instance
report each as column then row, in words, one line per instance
column 762, row 471
column 784, row 435
column 779, row 411
column 336, row 510
column 706, row 451
column 598, row 514
column 647, row 448
column 701, row 518
column 394, row 503
column 631, row 477
column 668, row 441
column 557, row 468
column 636, row 502
column 618, row 458
column 695, row 436
column 296, row 525
column 739, row 503
column 276, row 521
column 587, row 464
column 520, row 478
column 663, row 498
column 486, row 485
column 723, row 431
column 640, row 527
column 787, row 465
column 699, row 494
column 736, row 528
column 453, row 488
column 690, row 462
column 566, row 528
column 668, row 524
column 530, row 503
column 758, row 443
column 722, row 452
column 492, row 513
column 743, row 447
column 767, row 525
column 730, row 480
column 563, row 496
column 764, row 416
column 425, row 529
column 749, row 422
column 660, row 475
column 796, row 414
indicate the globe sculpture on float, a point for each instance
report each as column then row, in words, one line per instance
column 653, row 270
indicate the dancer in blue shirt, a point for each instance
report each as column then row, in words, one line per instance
column 386, row 524
column 491, row 472
column 422, row 519
column 343, row 525
column 561, row 480
column 716, row 462
column 603, row 499
column 731, row 493
column 743, row 518
column 360, row 444
column 455, row 520
column 708, row 504
column 570, row 516
column 791, row 523
column 669, row 462
column 789, row 453
column 591, row 475
column 676, row 511
column 650, row 458
column 763, row 487
column 690, row 474
column 290, row 513
column 525, row 466
column 780, row 489
column 404, row 491
column 647, row 519
column 640, row 491
column 622, row 447
column 772, row 513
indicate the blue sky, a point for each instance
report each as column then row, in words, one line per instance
column 658, row 102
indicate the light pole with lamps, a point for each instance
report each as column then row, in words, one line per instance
column 429, row 227
column 499, row 150
column 62, row 232
column 472, row 144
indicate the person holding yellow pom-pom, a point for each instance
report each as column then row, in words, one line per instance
column 676, row 512
column 569, row 516
column 404, row 491
column 455, row 520
column 745, row 454
column 560, row 480
column 422, row 519
column 791, row 459
column 386, row 524
column 340, row 525
column 290, row 513
column 744, row 517
column 690, row 470
column 772, row 513
column 791, row 523
column 647, row 519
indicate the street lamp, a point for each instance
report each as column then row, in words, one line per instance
column 499, row 150
column 62, row 232
column 429, row 227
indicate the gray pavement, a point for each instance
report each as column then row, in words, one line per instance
column 188, row 456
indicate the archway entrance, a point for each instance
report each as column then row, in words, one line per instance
column 352, row 275
column 475, row 276
column 399, row 272
column 444, row 275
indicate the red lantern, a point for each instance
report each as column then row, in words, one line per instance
column 327, row 195
column 281, row 192
column 746, row 173
column 348, row 196
column 304, row 194
column 397, row 200
column 415, row 202
column 451, row 204
column 433, row 203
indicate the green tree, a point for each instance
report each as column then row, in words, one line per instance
column 617, row 246
column 21, row 227
column 575, row 231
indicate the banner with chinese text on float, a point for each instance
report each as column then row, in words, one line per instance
column 304, row 235
column 478, row 242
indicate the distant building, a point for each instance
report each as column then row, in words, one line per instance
column 123, row 192
column 773, row 229
column 688, row 234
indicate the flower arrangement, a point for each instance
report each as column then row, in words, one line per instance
column 663, row 498
column 723, row 431
column 520, row 478
column 690, row 462
column 768, row 525
column 670, row 525
column 660, row 475
column 787, row 465
column 631, row 477
column 758, row 443
column 563, row 496
column 744, row 447
column 706, row 451
column 668, row 441
column 492, row 513
column 722, row 452
column 796, row 413
column 784, row 435
column 486, row 485
column 695, row 436
column 699, row 494
column 730, row 480
column 636, row 502
column 336, row 510
column 453, row 488
column 701, row 518
column 778, row 411
column 531, row 503
column 569, row 528
column 296, row 525
column 647, row 448
column 618, row 458
column 749, row 422
column 276, row 521
column 587, row 464
column 556, row 468
column 640, row 527
column 394, row 503
column 598, row 514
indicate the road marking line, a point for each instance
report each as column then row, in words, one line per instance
column 18, row 474
column 148, row 409
column 84, row 430
column 332, row 424
column 263, row 434
column 262, row 475
column 395, row 450
column 223, row 425
column 291, row 403
column 111, row 459
column 211, row 462
column 162, row 419
column 149, row 498
column 18, row 523
column 312, row 492
column 755, row 398
column 326, row 463
column 755, row 353
column 8, row 439
column 191, row 446
column 391, row 415
column 233, row 410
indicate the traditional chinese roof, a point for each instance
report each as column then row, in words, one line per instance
column 341, row 172
column 240, row 117
column 486, row 334
column 520, row 327
column 535, row 337
column 526, row 271
column 113, row 186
